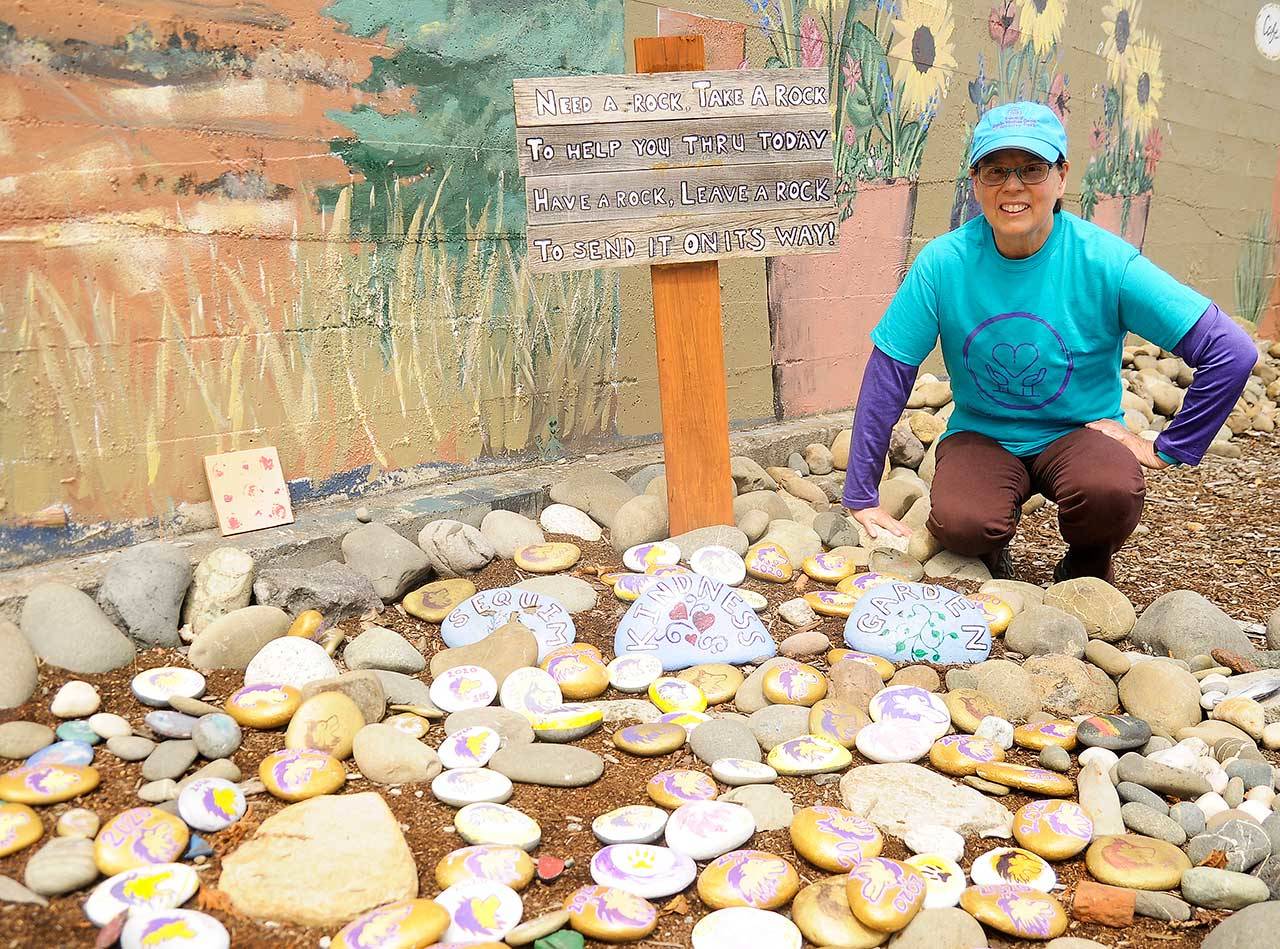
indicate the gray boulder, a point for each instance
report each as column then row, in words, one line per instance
column 507, row 531
column 1183, row 624
column 798, row 541
column 455, row 549
column 67, row 629
column 721, row 534
column 381, row 648
column 766, row 501
column 231, row 641
column 749, row 476
column 639, row 481
column 1245, row 929
column 142, row 593
column 640, row 520
column 333, row 588
column 18, row 673
column 1043, row 630
column 223, row 582
column 594, row 490
column 392, row 563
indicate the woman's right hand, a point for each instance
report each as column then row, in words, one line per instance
column 876, row 519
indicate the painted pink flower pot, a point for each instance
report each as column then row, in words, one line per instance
column 1109, row 215
column 822, row 307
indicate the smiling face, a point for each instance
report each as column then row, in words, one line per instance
column 1021, row 215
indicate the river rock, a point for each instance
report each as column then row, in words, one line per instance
column 1009, row 684
column 454, row 549
column 381, row 648
column 386, row 755
column 507, row 532
column 1142, row 863
column 62, row 865
column 19, row 740
column 942, row 928
column 776, row 724
column 366, row 690
column 289, row 660
column 170, row 759
column 594, row 490
column 18, row 673
column 476, row 619
column 1183, row 624
column 1165, row 697
column 896, row 797
column 564, row 519
column 334, row 589
column 559, row 766
column 724, row 738
column 232, row 641
column 67, row 629
column 223, row 582
column 1161, row 778
column 1213, row 888
column 1040, row 630
column 717, row 535
column 640, row 520
column 1106, row 613
column 216, row 736
column 799, row 541
column 142, row 591
column 1149, row 822
column 1244, row 842
column 1069, row 687
column 573, row 593
column 391, row 561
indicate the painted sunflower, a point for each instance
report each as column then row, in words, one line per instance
column 1041, row 23
column 923, row 52
column 1118, row 20
column 1143, row 84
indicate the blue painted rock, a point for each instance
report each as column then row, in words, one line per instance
column 918, row 622
column 687, row 620
column 63, row 752
column 478, row 616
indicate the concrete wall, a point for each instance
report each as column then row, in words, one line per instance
column 298, row 223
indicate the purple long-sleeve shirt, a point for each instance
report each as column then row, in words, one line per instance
column 1220, row 351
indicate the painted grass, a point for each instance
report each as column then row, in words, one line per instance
column 1253, row 279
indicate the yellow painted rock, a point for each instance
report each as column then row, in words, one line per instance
column 298, row 775
column 667, row 570
column 768, row 561
column 1141, row 863
column 829, row 567
column 138, row 837
column 579, row 675
column 860, row 583
column 1036, row 780
column 837, row 721
column 47, row 783
column 547, row 558
column 20, row 827
column 961, row 755
column 566, row 723
column 660, row 553
column 808, row 754
column 968, row 707
column 1056, row 830
column 748, row 878
column 794, row 683
column 884, row 668
column 885, row 895
column 1060, row 732
column 610, row 915
column 676, row 695
column 1016, row 911
column 718, row 681
column 671, row 789
column 1012, row 865
column 434, row 601
column 305, row 624
column 833, row 838
column 264, row 705
column 577, row 649
column 405, row 924
column 415, row 726
column 999, row 614
column 831, row 602
column 686, row 720
column 629, row 586
column 821, row 913
column 610, row 577
column 326, row 722
column 496, row 863
column 649, row 740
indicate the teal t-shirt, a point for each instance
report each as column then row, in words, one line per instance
column 1033, row 346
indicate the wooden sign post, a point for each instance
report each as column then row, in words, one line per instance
column 678, row 170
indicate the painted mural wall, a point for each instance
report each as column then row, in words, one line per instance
column 298, row 223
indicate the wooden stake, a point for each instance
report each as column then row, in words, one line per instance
column 690, row 343
column 1108, row 905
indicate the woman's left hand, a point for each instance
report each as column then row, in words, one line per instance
column 1143, row 450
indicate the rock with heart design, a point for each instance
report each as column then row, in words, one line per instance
column 688, row 619
column 918, row 622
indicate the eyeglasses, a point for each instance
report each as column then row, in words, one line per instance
column 1033, row 173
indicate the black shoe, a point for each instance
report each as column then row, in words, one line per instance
column 1060, row 571
column 1000, row 563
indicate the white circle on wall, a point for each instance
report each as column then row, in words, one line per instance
column 1266, row 31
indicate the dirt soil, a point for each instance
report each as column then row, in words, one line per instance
column 1214, row 529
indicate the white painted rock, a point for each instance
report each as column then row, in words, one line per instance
column 476, row 617
column 481, row 911
column 464, row 687
column 156, row 886
column 469, row 747
column 740, row 926
column 563, row 519
column 736, row 772
column 911, row 705
column 643, row 869
column 632, row 824
column 173, row 929
column 156, row 687
column 76, row 699
column 884, row 742
column 720, row 564
column 641, row 557
column 634, row 673
column 211, row 804
column 497, row 824
column 289, row 660
column 459, row 787
column 703, row 830
column 531, row 692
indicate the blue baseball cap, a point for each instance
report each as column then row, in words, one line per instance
column 1029, row 126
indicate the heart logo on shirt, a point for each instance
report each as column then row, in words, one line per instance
column 1015, row 359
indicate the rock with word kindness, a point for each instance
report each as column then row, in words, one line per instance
column 918, row 622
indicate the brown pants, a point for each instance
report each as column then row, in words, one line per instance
column 979, row 487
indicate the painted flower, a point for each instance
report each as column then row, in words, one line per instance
column 1002, row 24
column 1059, row 99
column 1099, row 137
column 1118, row 19
column 813, row 45
column 923, row 51
column 1143, row 84
column 852, row 70
column 1153, row 150
column 1042, row 22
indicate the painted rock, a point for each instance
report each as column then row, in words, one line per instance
column 298, row 775
column 80, row 730
column 1016, row 911
column 998, row 613
column 960, row 755
column 610, row 915
column 643, row 869
column 632, row 824
column 739, row 926
column 718, row 681
column 210, row 804
column 707, row 829
column 290, row 661
column 469, row 747
column 138, row 837
column 20, row 827
column 736, row 772
column 326, row 722
column 1012, row 865
column 944, row 880
column 837, row 721
column 78, row 753
column 404, row 924
column 667, row 570
column 566, row 723
column 720, row 564
column 264, row 706
column 884, row 668
column 809, row 754
column 173, row 929
column 47, row 783
column 415, row 726
column 968, row 707
column 306, row 624
column 530, row 691
column 917, row 622
column 885, row 742
column 650, row 740
column 77, row 822
column 480, row 911
column 830, row 603
column 911, row 705
column 1024, row 778
column 577, row 649
column 160, row 887
column 641, row 557
column 436, row 600
column 476, row 617
column 634, row 673
column 833, row 838
column 821, row 912
column 685, row 719
column 509, row 866
column 550, row 557
column 671, row 789
column 753, row 878
column 497, row 824
column 169, row 724
column 1060, row 732
column 579, row 676
column 1141, row 863
column 794, row 683
column 885, row 894
column 1113, row 732
column 464, row 687
column 768, row 561
column 756, row 601
column 631, row 586
column 859, row 584
column 459, row 787
column 829, row 567
column 689, row 620
column 676, row 695
column 156, row 686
